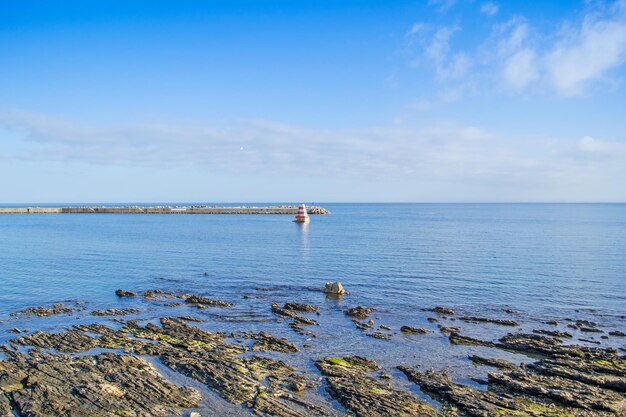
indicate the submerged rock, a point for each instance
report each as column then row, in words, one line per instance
column 291, row 310
column 413, row 330
column 495, row 363
column 115, row 312
column 553, row 333
column 347, row 382
column 300, row 307
column 45, row 311
column 359, row 312
column 444, row 311
column 266, row 342
column 123, row 293
column 204, row 302
column 473, row 319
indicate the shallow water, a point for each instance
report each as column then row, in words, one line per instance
column 543, row 261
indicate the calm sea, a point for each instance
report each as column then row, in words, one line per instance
column 543, row 261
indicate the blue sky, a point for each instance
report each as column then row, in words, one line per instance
column 438, row 100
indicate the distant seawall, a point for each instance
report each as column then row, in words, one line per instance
column 162, row 210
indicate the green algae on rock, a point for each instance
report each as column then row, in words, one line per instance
column 347, row 382
column 107, row 384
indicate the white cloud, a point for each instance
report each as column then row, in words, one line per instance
column 576, row 56
column 435, row 51
column 489, row 8
column 417, row 27
column 463, row 157
column 442, row 5
column 520, row 69
column 587, row 53
column 567, row 61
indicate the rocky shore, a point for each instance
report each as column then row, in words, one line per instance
column 122, row 365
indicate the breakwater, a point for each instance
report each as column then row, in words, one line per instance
column 162, row 210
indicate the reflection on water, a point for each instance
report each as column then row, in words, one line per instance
column 541, row 261
column 303, row 230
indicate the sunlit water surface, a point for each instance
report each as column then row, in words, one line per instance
column 544, row 261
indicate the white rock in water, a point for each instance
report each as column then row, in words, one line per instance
column 335, row 288
column 195, row 414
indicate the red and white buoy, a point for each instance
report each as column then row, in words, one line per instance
column 302, row 216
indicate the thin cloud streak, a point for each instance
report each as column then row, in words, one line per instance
column 462, row 156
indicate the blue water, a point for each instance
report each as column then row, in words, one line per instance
column 544, row 261
column 536, row 257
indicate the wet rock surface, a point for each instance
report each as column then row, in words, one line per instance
column 413, row 330
column 123, row 293
column 495, row 363
column 265, row 373
column 348, row 382
column 205, row 302
column 108, row 384
column 444, row 311
column 115, row 312
column 45, row 311
column 291, row 310
column 567, row 380
column 359, row 312
column 267, row 343
column 474, row 319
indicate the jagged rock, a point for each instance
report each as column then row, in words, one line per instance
column 72, row 341
column 490, row 403
column 260, row 383
column 553, row 333
column 348, row 382
column 334, row 288
column 290, row 310
column 413, row 330
column 441, row 310
column 304, row 321
column 448, row 330
column 266, row 342
column 114, row 312
column 590, row 330
column 495, row 363
column 617, row 333
column 157, row 295
column 107, row 384
column 564, row 391
column 44, row 311
column 608, row 373
column 5, row 407
column 300, row 307
column 473, row 319
column 123, row 293
column 277, row 309
column 379, row 335
column 458, row 339
column 204, row 302
column 359, row 312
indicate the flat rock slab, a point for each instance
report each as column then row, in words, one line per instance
column 365, row 396
column 107, row 384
